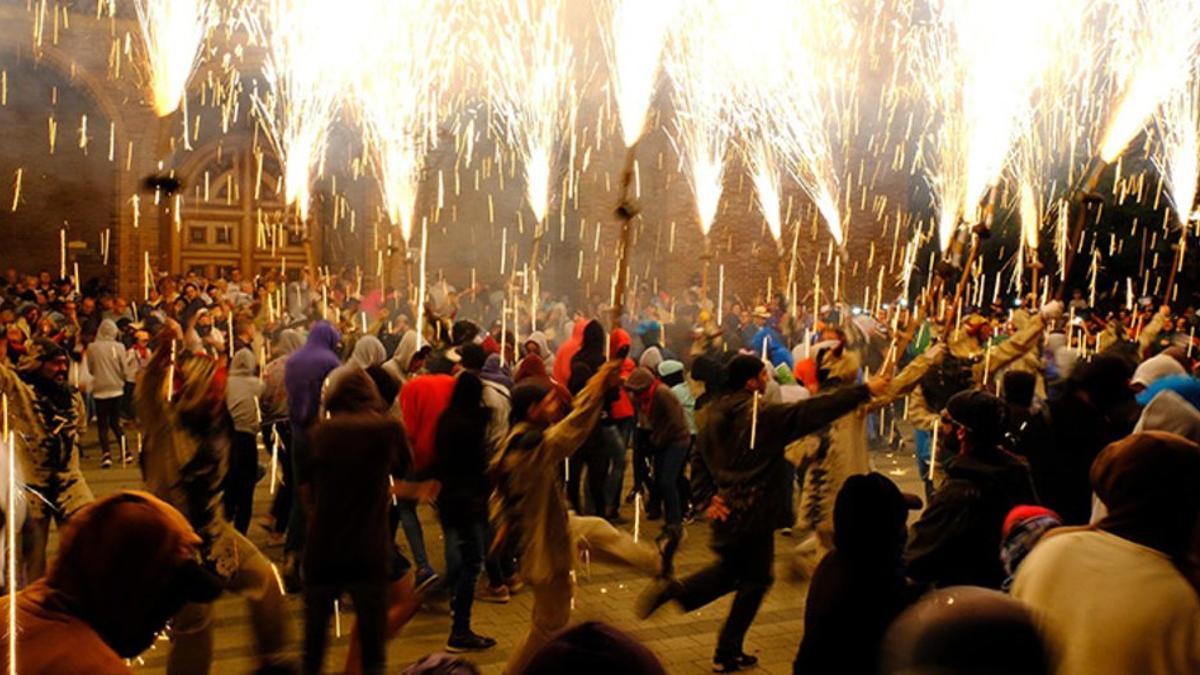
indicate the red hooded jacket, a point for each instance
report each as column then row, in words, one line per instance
column 622, row 408
column 422, row 401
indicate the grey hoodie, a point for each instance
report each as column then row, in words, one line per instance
column 397, row 366
column 368, row 351
column 106, row 362
column 243, row 391
column 539, row 338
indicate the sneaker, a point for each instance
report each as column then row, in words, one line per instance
column 515, row 583
column 498, row 595
column 106, row 462
column 468, row 642
column 734, row 663
column 425, row 578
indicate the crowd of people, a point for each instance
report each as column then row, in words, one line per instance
column 1057, row 447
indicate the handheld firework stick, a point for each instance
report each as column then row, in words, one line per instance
column 1087, row 197
column 978, row 233
column 626, row 211
column 1176, row 263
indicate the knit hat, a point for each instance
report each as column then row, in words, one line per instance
column 39, row 351
column 669, row 367
column 984, row 415
column 742, row 369
column 1022, row 529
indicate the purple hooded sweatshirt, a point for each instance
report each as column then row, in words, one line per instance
column 306, row 370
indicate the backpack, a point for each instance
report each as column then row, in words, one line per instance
column 952, row 375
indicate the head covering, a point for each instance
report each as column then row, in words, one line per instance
column 1170, row 412
column 966, row 631
column 123, row 567
column 869, row 519
column 618, row 341
column 289, row 341
column 1147, row 481
column 368, row 351
column 492, row 372
column 566, row 353
column 38, row 351
column 405, row 351
column 107, row 332
column 473, row 356
column 760, row 312
column 1023, row 528
column 983, row 415
column 594, row 648
column 243, row 363
column 530, row 366
column 539, row 338
column 1186, row 386
column 525, row 395
column 651, row 358
column 354, row 392
column 640, row 380
column 671, row 372
column 1155, row 368
column 306, row 370
column 742, row 369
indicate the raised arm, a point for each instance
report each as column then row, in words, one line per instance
column 565, row 437
column 796, row 420
column 908, row 379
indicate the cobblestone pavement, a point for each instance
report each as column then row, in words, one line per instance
column 684, row 642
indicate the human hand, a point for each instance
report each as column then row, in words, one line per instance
column 878, row 385
column 717, row 509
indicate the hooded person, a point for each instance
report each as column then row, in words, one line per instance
column 368, row 351
column 1186, row 386
column 407, row 360
column 537, row 345
column 105, row 360
column 184, row 461
column 45, row 411
column 242, row 392
column 423, row 399
column 531, row 366
column 743, row 443
column 360, row 459
column 968, row 631
column 1023, row 528
column 956, row 541
column 1170, row 412
column 277, row 432
column 1154, row 369
column 840, row 450
column 304, row 380
column 496, row 394
column 126, row 563
column 495, row 373
column 860, row 587
column 669, row 439
column 618, row 430
column 528, row 509
column 1120, row 596
column 567, row 351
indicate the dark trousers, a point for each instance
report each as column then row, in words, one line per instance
column 370, row 611
column 281, row 507
column 593, row 457
column 413, row 533
column 293, row 544
column 108, row 419
column 466, row 544
column 743, row 567
column 668, row 467
column 642, row 462
column 501, row 563
column 240, row 480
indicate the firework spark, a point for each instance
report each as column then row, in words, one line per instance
column 634, row 45
column 764, row 166
column 700, row 70
column 977, row 67
column 173, row 32
column 399, row 94
column 305, row 67
column 1177, row 154
column 1155, row 47
column 531, row 89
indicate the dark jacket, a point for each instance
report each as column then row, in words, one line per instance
column 753, row 481
column 957, row 539
column 460, row 464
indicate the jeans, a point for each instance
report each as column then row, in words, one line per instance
column 501, row 564
column 413, row 533
column 668, row 465
column 466, row 544
column 240, row 480
column 594, row 457
column 191, row 629
column 370, row 612
column 743, row 567
column 616, row 473
column 108, row 418
column 923, row 440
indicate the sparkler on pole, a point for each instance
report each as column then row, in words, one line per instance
column 173, row 32
column 633, row 45
column 304, row 69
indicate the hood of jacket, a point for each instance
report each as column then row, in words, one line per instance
column 107, row 332
column 243, row 364
column 368, row 351
column 539, row 338
column 1170, row 412
column 289, row 341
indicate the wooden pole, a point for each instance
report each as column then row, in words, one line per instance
column 627, row 210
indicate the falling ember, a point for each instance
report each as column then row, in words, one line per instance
column 634, row 46
column 304, row 68
column 398, row 94
column 529, row 66
column 1177, row 154
column 1155, row 47
column 173, row 32
column 1031, row 217
column 765, row 173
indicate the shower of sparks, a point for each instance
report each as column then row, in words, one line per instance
column 1031, row 215
column 703, row 130
column 1177, row 154
column 173, row 32
column 766, row 176
column 1154, row 50
column 304, row 69
column 634, row 46
column 977, row 67
column 806, row 104
column 530, row 61
column 399, row 95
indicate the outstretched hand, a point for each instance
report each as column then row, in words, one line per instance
column 878, row 385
